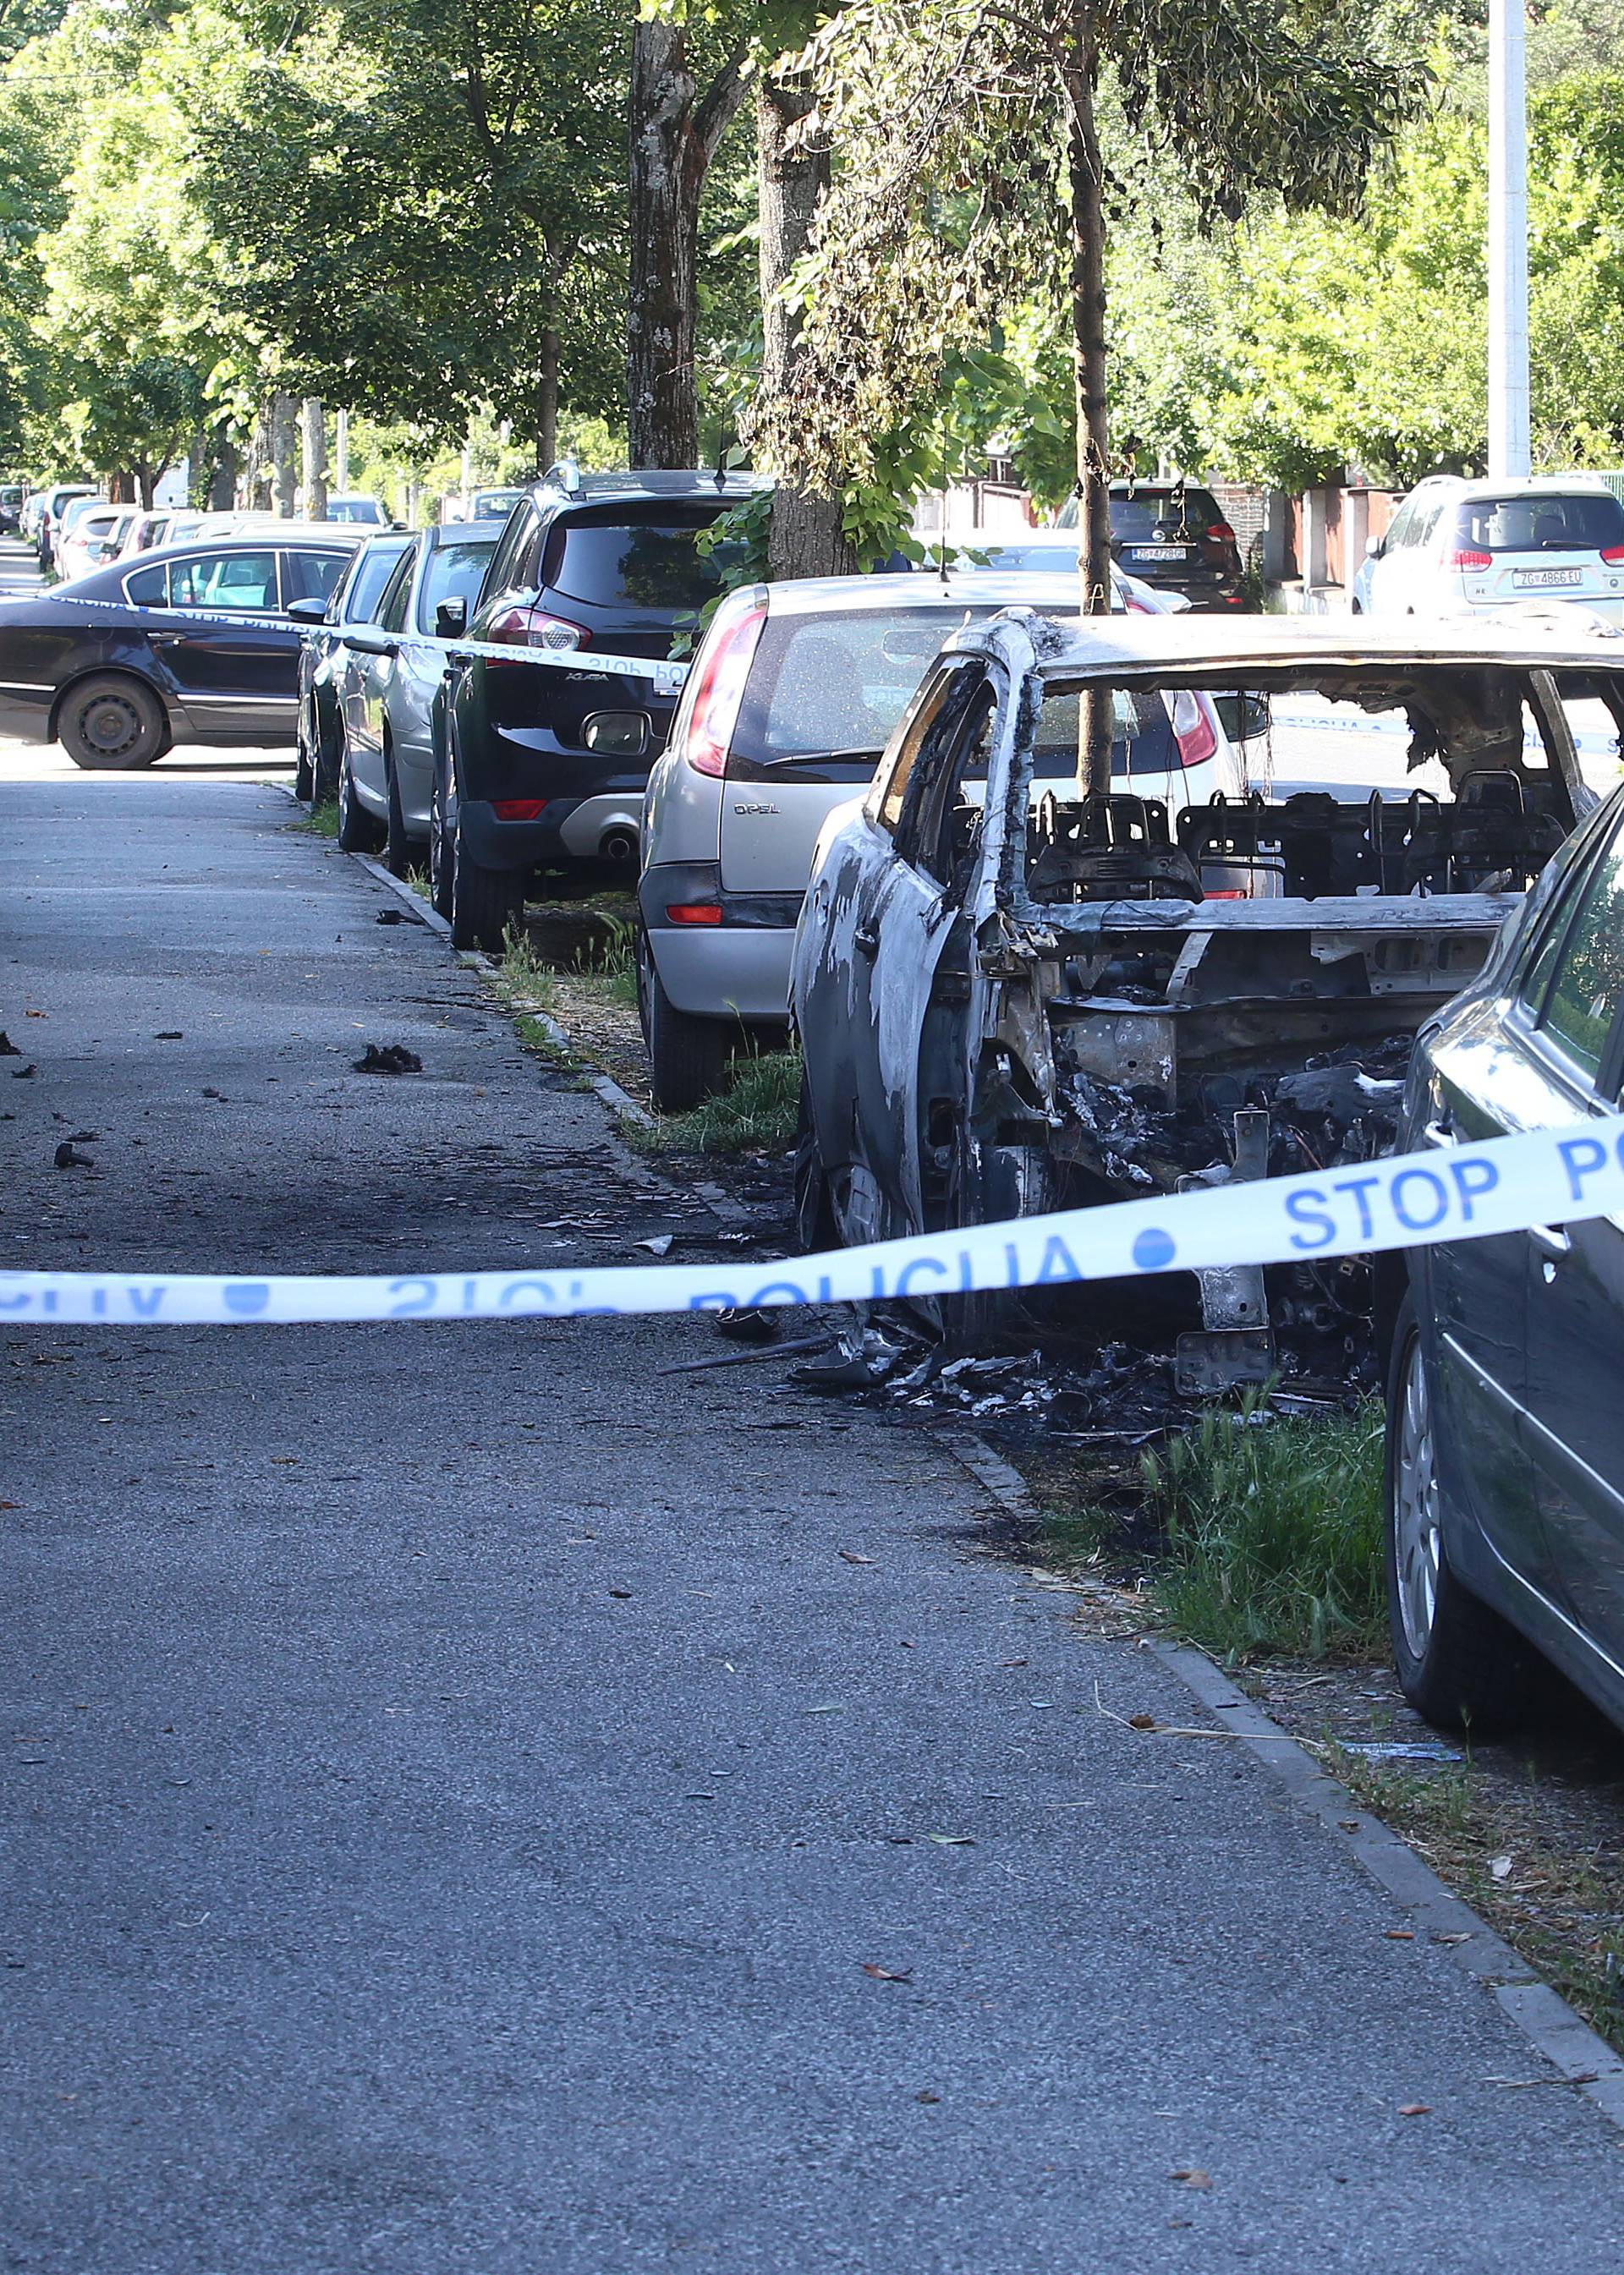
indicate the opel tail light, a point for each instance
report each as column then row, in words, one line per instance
column 721, row 690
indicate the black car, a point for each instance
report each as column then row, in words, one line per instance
column 194, row 645
column 541, row 764
column 1172, row 535
column 1505, row 1475
column 13, row 495
column 323, row 654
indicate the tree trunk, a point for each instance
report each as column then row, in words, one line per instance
column 121, row 489
column 674, row 137
column 805, row 538
column 1088, row 330
column 341, row 452
column 284, row 472
column 222, row 483
column 314, row 435
column 546, row 405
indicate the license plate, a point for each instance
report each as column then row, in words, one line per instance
column 1528, row 579
column 1156, row 552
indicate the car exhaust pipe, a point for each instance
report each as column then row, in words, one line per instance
column 619, row 846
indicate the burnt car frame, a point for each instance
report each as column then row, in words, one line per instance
column 1011, row 999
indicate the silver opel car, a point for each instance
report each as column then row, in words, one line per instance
column 787, row 706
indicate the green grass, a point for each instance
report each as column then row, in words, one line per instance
column 1270, row 1531
column 758, row 1113
column 614, row 965
column 323, row 819
column 521, row 972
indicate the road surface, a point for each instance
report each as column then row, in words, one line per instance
column 474, row 1802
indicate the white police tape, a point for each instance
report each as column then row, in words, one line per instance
column 1450, row 1193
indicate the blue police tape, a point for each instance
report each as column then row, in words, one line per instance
column 1449, row 1193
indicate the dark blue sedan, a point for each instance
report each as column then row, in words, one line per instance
column 197, row 643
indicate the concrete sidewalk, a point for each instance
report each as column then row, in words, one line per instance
column 464, row 1810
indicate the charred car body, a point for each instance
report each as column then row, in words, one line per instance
column 1012, row 998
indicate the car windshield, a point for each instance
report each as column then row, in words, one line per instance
column 495, row 504
column 1541, row 522
column 357, row 509
column 454, row 573
column 654, row 565
column 825, row 683
column 1060, row 560
column 365, row 589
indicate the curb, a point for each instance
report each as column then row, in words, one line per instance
column 1546, row 2019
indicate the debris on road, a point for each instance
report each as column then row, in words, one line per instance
column 392, row 1058
column 396, row 917
column 8, row 1048
column 69, row 1157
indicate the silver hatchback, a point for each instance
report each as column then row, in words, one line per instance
column 790, row 701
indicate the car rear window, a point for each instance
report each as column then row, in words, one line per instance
column 646, row 564
column 1151, row 513
column 1548, row 523
column 312, row 576
column 454, row 573
column 365, row 589
column 821, row 684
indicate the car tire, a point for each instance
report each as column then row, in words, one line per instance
column 396, row 844
column 1459, row 1664
column 441, row 850
column 688, row 1058
column 485, row 902
column 359, row 832
column 303, row 765
column 112, row 724
column 326, row 755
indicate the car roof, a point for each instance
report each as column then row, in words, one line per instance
column 692, row 487
column 920, row 588
column 1516, row 485
column 1096, row 647
column 486, row 531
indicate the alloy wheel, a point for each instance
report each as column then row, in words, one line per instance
column 1416, row 1532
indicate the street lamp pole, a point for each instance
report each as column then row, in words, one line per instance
column 1508, row 420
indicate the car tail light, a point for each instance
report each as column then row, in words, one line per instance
column 716, row 700
column 518, row 809
column 694, row 912
column 1614, row 555
column 1222, row 532
column 1195, row 727
column 535, row 628
column 1468, row 556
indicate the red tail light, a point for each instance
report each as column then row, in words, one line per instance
column 695, row 912
column 716, row 700
column 1222, row 532
column 1467, row 556
column 518, row 809
column 534, row 628
column 1195, row 727
column 1614, row 555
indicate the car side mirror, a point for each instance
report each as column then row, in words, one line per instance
column 1243, row 716
column 451, row 619
column 312, row 611
column 1374, row 548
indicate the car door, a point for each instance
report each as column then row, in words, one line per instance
column 225, row 645
column 372, row 669
column 1388, row 566
column 1576, row 1270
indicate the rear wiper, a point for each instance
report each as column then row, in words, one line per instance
column 813, row 758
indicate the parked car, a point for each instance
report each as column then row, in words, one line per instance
column 1456, row 546
column 1505, row 1482
column 194, row 645
column 492, row 504
column 1174, row 535
column 324, row 656
column 791, row 699
column 59, row 504
column 541, row 764
column 390, row 680
column 1010, row 999
column 356, row 507
column 13, row 495
column 87, row 529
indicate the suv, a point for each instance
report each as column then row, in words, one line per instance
column 1173, row 536
column 559, row 696
column 1456, row 545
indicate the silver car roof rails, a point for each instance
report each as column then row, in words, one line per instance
column 564, row 474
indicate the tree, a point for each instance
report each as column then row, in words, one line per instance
column 965, row 133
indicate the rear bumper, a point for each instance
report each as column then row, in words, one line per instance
column 25, row 711
column 738, row 969
column 498, row 844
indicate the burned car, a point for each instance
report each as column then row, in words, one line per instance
column 1013, row 996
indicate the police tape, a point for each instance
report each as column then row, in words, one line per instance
column 1449, row 1193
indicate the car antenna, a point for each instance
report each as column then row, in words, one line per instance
column 720, row 475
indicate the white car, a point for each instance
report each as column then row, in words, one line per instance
column 1456, row 546
column 91, row 539
column 790, row 701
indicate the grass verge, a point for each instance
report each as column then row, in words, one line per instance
column 321, row 819
column 1266, row 1533
column 758, row 1113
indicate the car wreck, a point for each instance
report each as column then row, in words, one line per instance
column 1014, row 995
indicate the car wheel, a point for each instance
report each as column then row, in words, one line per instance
column 442, row 850
column 327, row 753
column 1458, row 1663
column 358, row 831
column 814, row 1211
column 485, row 902
column 112, row 724
column 688, row 1058
column 396, row 844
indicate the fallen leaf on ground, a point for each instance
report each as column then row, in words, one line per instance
column 1191, row 2175
column 952, row 1839
column 1501, row 1867
column 1414, row 2109
column 1400, row 1934
column 1142, row 1722
column 850, row 1556
column 888, row 1974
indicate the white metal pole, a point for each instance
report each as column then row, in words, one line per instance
column 341, row 453
column 1508, row 419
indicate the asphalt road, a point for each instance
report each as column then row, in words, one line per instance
column 471, row 1802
